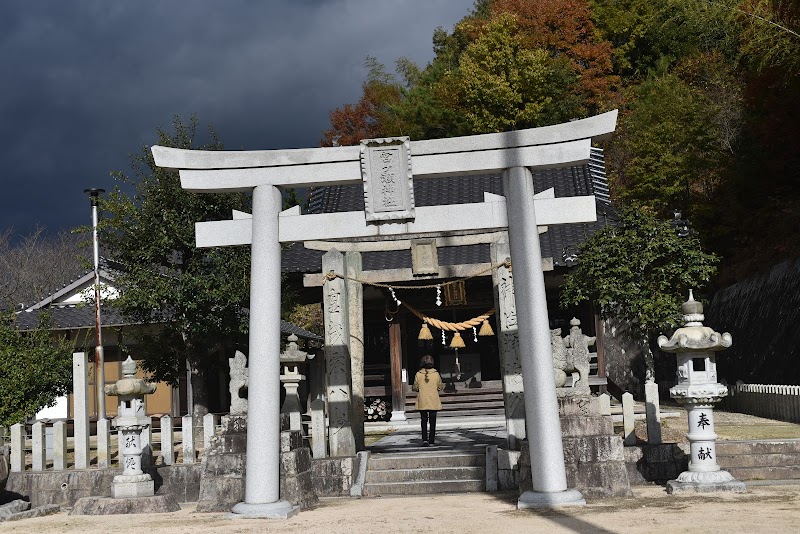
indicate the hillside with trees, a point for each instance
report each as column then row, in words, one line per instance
column 707, row 92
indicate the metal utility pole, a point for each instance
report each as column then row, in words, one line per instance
column 99, row 358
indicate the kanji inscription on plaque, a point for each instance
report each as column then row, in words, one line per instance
column 388, row 185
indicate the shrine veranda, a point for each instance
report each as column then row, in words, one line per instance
column 388, row 168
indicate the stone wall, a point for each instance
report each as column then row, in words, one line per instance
column 63, row 488
column 222, row 484
column 593, row 453
column 333, row 477
column 508, row 470
column 656, row 463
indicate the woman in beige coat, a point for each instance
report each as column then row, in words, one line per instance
column 428, row 383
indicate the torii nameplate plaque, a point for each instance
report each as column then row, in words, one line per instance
column 387, row 178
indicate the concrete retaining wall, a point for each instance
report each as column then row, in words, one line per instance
column 65, row 487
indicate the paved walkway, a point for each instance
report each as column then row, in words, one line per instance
column 459, row 435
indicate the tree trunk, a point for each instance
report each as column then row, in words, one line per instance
column 199, row 387
column 199, row 394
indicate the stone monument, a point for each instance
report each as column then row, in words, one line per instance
column 695, row 346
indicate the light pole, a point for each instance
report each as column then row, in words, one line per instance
column 99, row 358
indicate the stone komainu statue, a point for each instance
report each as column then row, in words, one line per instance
column 571, row 354
column 238, row 383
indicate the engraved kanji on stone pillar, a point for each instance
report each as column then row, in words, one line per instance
column 337, row 356
column 508, row 341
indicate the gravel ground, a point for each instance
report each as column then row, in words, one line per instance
column 762, row 509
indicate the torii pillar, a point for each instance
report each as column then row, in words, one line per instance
column 262, row 491
column 548, row 474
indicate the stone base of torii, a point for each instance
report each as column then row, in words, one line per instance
column 385, row 168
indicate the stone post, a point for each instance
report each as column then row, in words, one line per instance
column 653, row 413
column 146, row 437
column 38, row 447
column 59, row 445
column 337, row 356
column 318, row 441
column 508, row 343
column 103, row 443
column 604, row 404
column 355, row 307
column 17, row 448
column 549, row 479
column 167, row 440
column 209, row 429
column 628, row 419
column 262, row 481
column 187, row 443
column 81, row 402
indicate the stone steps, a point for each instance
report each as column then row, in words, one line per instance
column 465, row 402
column 779, row 446
column 424, row 488
column 421, row 473
column 424, row 474
column 417, row 460
column 760, row 460
column 764, row 473
column 746, row 460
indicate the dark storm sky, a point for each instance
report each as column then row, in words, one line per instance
column 84, row 83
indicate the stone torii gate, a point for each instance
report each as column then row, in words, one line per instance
column 387, row 168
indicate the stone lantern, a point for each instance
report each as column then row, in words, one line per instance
column 291, row 378
column 130, row 422
column 696, row 346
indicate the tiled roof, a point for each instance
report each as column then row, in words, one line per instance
column 69, row 317
column 290, row 328
column 82, row 316
column 559, row 242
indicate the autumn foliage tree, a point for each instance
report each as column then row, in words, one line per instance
column 506, row 65
column 565, row 28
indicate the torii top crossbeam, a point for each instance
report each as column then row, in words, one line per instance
column 548, row 146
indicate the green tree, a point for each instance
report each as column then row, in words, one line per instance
column 639, row 272
column 502, row 85
column 677, row 136
column 190, row 302
column 35, row 369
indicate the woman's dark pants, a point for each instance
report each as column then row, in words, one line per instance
column 425, row 415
